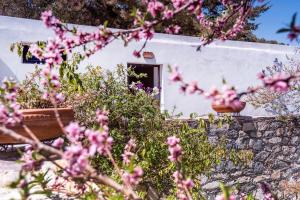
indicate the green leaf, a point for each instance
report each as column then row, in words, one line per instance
column 283, row 30
column 293, row 22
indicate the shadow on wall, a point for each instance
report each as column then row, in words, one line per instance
column 5, row 71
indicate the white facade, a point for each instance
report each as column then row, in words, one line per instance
column 237, row 62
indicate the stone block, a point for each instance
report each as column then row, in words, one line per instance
column 275, row 140
column 249, row 126
column 211, row 185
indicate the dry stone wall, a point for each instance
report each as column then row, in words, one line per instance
column 276, row 155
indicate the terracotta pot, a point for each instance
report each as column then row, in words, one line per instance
column 42, row 122
column 228, row 109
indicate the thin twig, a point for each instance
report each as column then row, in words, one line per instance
column 24, row 139
column 30, row 133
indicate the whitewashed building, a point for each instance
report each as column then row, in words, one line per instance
column 237, row 62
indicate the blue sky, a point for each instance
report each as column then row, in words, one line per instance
column 277, row 17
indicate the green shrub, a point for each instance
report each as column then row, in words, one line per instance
column 136, row 114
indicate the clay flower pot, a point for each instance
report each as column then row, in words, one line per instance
column 228, row 109
column 42, row 122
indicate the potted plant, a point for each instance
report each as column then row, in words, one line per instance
column 38, row 114
column 227, row 100
column 223, row 108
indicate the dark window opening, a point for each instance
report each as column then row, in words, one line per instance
column 150, row 81
column 32, row 59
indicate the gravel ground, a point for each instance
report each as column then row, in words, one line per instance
column 9, row 169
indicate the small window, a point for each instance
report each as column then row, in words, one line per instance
column 30, row 59
column 153, row 76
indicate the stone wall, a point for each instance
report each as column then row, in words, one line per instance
column 276, row 155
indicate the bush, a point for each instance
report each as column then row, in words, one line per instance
column 134, row 113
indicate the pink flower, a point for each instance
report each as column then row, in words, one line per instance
column 154, row 7
column 36, row 51
column 74, row 131
column 188, row 183
column 58, row 143
column 192, row 87
column 100, row 142
column 135, row 35
column 222, row 197
column 168, row 14
column 172, row 141
column 47, row 18
column 133, row 178
column 292, row 36
column 102, row 117
column 178, row 3
column 174, row 148
column 59, row 97
column 136, row 53
column 127, row 155
column 173, row 29
column 29, row 163
column 10, row 113
column 148, row 33
column 77, row 158
column 279, row 82
column 175, row 75
column 45, row 95
column 182, row 185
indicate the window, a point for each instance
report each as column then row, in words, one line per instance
column 30, row 59
column 153, row 76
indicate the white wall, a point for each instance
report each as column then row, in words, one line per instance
column 237, row 62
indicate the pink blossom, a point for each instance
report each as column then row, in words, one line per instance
column 47, row 18
column 74, row 131
column 173, row 29
column 135, row 35
column 179, row 3
column 36, row 51
column 222, row 197
column 148, row 33
column 175, row 75
column 102, row 117
column 155, row 7
column 172, row 141
column 77, row 158
column 58, row 143
column 192, row 87
column 59, row 97
column 279, row 82
column 45, row 95
column 168, row 14
column 10, row 113
column 188, row 183
column 182, row 185
column 127, row 154
column 28, row 162
column 137, row 54
column 174, row 148
column 100, row 142
column 133, row 178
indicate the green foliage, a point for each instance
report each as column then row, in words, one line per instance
column 30, row 92
column 136, row 114
column 36, row 184
column 67, row 71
